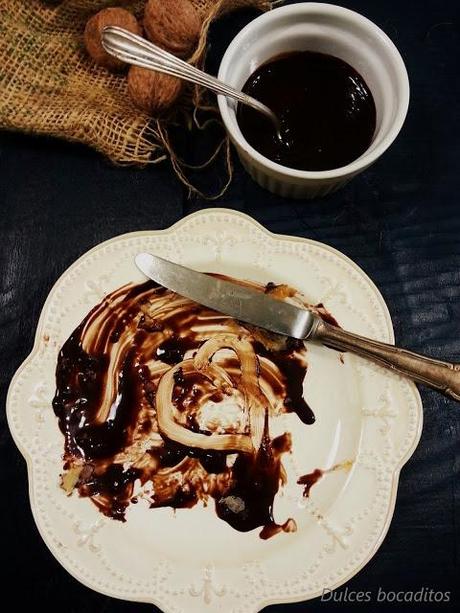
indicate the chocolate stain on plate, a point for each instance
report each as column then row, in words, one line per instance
column 165, row 400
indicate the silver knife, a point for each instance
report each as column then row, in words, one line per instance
column 260, row 309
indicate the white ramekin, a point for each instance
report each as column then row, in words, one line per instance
column 328, row 29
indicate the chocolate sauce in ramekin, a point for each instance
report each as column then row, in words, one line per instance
column 326, row 110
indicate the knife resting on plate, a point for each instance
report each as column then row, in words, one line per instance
column 260, row 309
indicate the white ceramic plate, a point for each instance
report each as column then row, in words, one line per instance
column 190, row 560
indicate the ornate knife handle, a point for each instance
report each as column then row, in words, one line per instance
column 442, row 376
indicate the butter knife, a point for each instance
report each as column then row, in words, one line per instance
column 281, row 317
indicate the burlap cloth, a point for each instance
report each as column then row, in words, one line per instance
column 48, row 85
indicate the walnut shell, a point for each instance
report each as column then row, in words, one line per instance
column 93, row 31
column 173, row 25
column 153, row 92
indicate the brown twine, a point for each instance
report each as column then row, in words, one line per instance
column 50, row 86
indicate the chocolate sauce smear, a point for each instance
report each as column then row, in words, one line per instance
column 161, row 399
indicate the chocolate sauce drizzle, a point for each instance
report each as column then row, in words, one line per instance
column 309, row 480
column 107, row 379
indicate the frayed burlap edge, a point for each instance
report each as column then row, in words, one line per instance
column 49, row 86
column 200, row 101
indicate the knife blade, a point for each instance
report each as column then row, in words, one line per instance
column 262, row 310
column 237, row 301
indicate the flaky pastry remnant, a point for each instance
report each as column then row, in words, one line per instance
column 70, row 478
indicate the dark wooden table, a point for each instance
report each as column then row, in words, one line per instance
column 400, row 221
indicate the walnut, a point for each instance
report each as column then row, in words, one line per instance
column 151, row 91
column 93, row 32
column 173, row 25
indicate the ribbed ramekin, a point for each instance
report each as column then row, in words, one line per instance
column 325, row 28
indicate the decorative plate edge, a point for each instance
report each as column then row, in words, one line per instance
column 170, row 230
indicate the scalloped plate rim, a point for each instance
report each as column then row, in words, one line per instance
column 171, row 229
